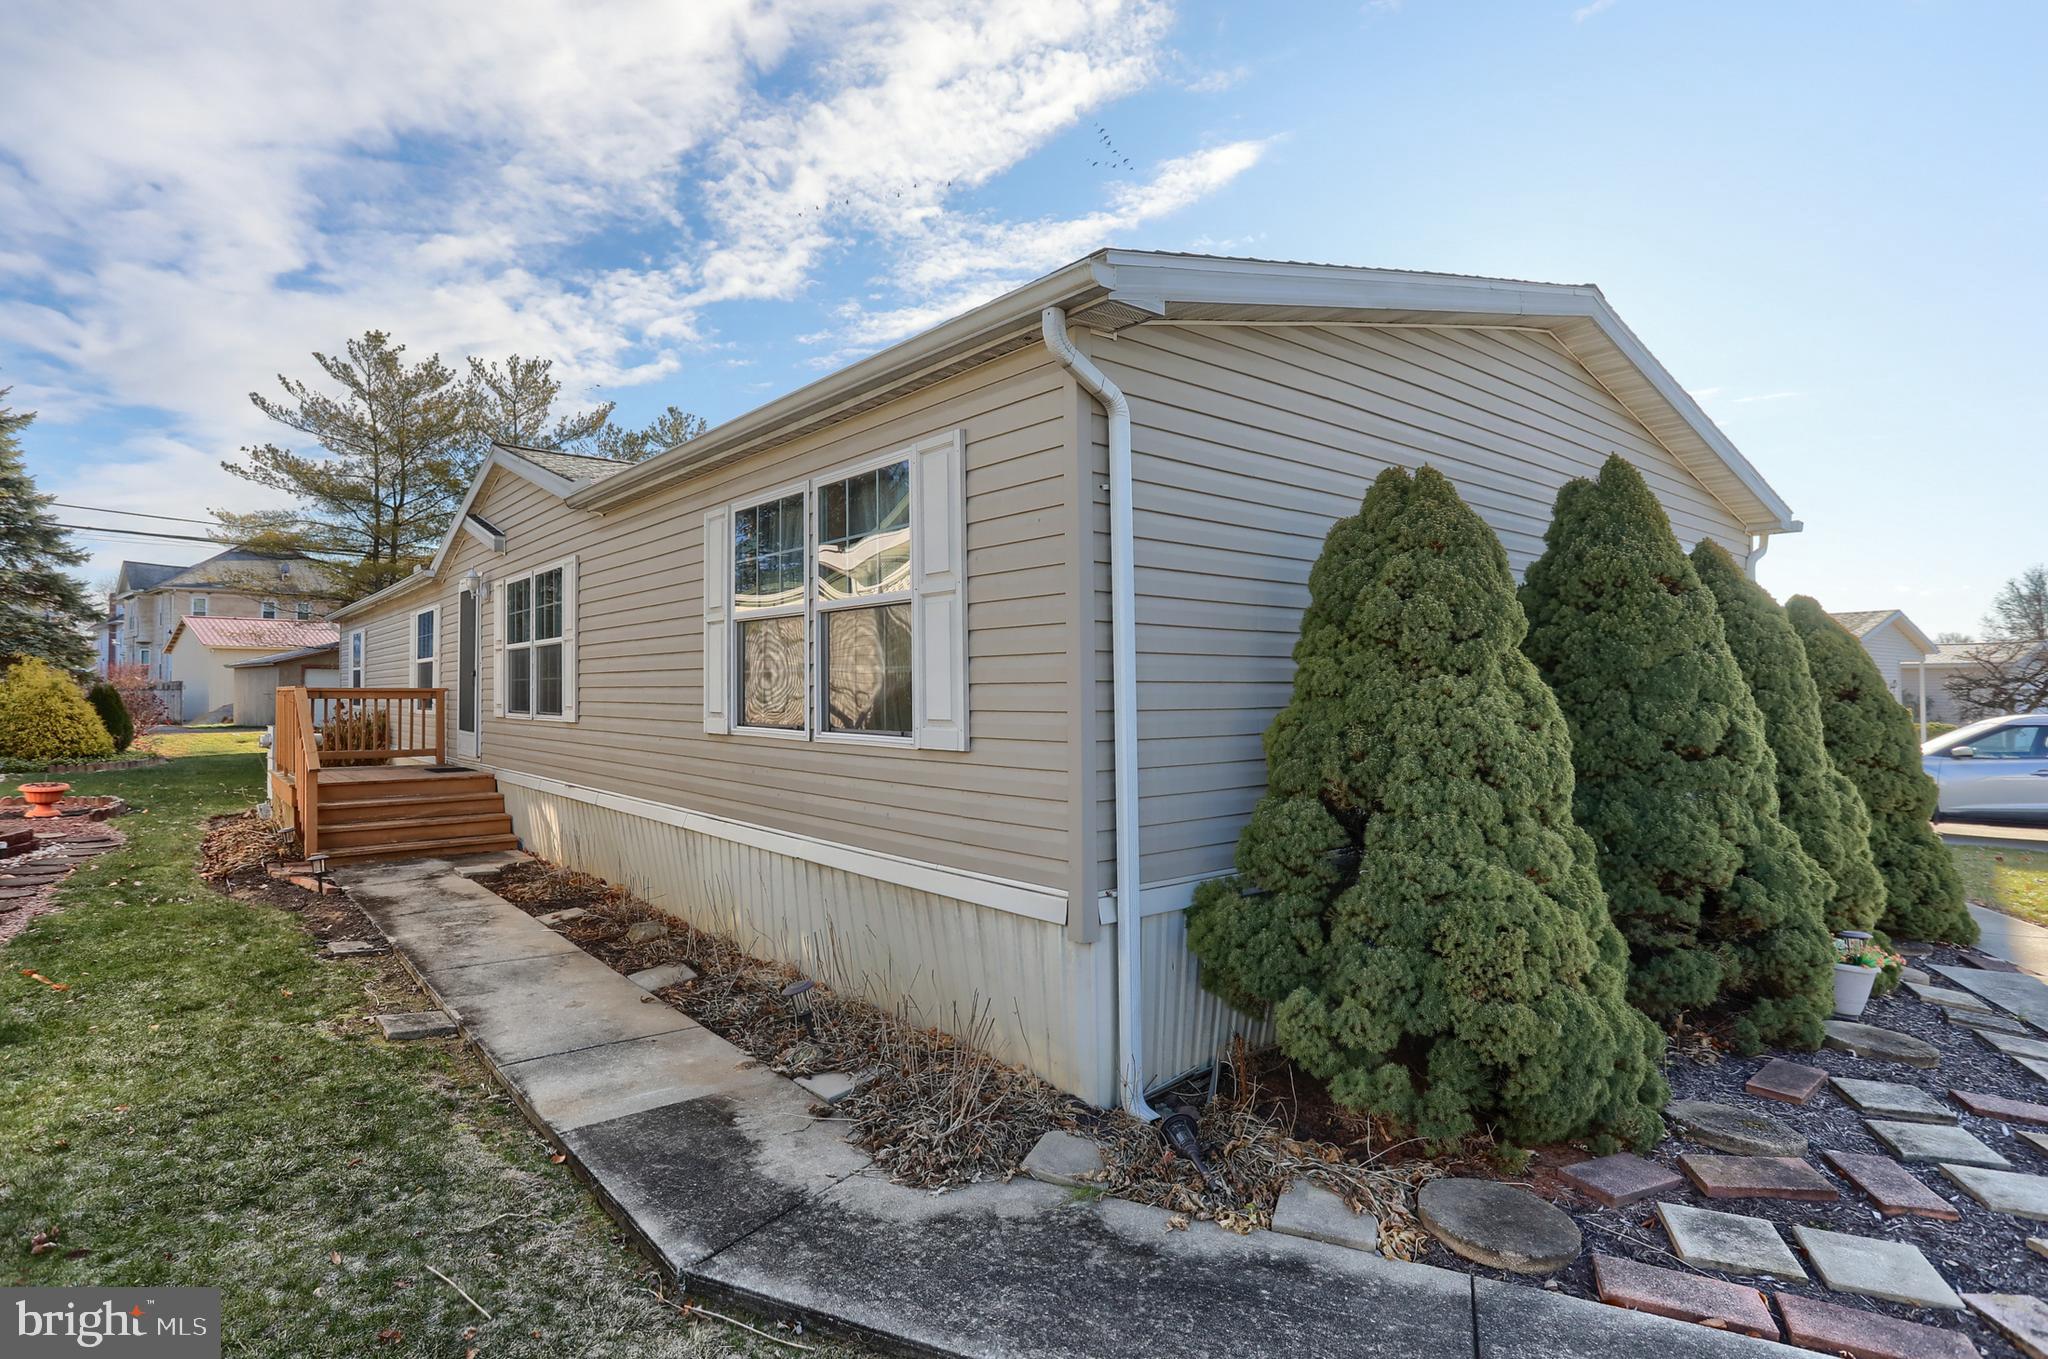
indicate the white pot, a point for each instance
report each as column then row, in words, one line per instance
column 1852, row 988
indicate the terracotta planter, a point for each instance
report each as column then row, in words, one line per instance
column 1852, row 988
column 43, row 798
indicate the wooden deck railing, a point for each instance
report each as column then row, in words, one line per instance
column 327, row 728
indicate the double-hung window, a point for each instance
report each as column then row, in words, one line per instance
column 423, row 638
column 536, row 645
column 199, row 606
column 834, row 610
column 269, row 609
column 303, row 610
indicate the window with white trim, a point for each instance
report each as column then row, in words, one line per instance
column 424, row 669
column 303, row 611
column 199, row 606
column 356, row 657
column 536, row 643
column 834, row 610
column 142, row 657
column 269, row 609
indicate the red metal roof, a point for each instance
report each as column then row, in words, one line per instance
column 271, row 634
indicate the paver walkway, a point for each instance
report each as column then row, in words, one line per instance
column 718, row 1167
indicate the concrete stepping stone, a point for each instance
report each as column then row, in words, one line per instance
column 1621, row 1179
column 2037, row 1067
column 1728, row 1242
column 1981, row 1023
column 1683, row 1297
column 830, row 1087
column 668, row 974
column 1914, row 974
column 2001, row 1108
column 1786, row 1082
column 1880, row 1045
column 2014, row 1044
column 1984, row 962
column 1498, row 1225
column 1894, row 1189
column 416, row 1024
column 1934, row 1142
column 1892, row 1270
column 1912, row 948
column 564, row 917
column 1737, row 1131
column 2003, row 1191
column 1889, row 1099
column 2038, row 1245
column 1756, row 1177
column 2018, row 1317
column 646, row 931
column 1949, row 998
column 2038, row 1141
column 353, row 948
column 1306, row 1209
column 1834, row 1329
column 1064, row 1159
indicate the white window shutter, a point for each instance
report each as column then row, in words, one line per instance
column 938, row 630
column 717, row 622
column 569, row 640
column 498, row 650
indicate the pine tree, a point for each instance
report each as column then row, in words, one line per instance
column 1721, row 907
column 1814, row 798
column 1412, row 890
column 113, row 713
column 515, row 404
column 42, row 608
column 1870, row 738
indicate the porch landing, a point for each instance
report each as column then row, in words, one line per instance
column 719, row 1168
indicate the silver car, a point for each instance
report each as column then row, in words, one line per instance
column 1996, row 768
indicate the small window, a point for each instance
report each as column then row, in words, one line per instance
column 355, row 660
column 199, row 606
column 269, row 608
column 303, row 610
column 142, row 657
column 423, row 666
column 538, row 647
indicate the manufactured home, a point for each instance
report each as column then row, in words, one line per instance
column 946, row 675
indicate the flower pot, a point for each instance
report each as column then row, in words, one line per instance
column 42, row 798
column 1852, row 988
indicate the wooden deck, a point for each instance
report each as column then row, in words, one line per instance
column 361, row 774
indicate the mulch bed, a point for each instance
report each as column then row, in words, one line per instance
column 237, row 854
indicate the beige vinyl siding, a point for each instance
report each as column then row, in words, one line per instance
column 1890, row 647
column 1249, row 442
column 998, row 808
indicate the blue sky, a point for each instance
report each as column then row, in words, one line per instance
column 1824, row 218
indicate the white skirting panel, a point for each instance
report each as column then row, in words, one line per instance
column 1184, row 1025
column 1045, row 1002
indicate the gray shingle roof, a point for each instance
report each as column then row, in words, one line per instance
column 1861, row 621
column 575, row 466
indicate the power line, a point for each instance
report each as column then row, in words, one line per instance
column 139, row 533
column 134, row 514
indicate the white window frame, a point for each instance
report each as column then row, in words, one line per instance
column 740, row 617
column 412, row 646
column 356, row 658
column 267, row 611
column 501, row 594
column 199, row 606
column 302, row 610
column 814, row 640
column 142, row 656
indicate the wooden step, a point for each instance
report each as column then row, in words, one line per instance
column 354, row 834
column 427, row 849
column 419, row 785
column 398, row 808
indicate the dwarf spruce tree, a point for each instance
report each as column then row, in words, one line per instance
column 1870, row 738
column 1412, row 891
column 1814, row 798
column 1721, row 907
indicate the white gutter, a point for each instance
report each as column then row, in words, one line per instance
column 1756, row 554
column 1123, row 673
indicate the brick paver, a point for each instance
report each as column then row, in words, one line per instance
column 1834, row 1329
column 1686, row 1297
column 1621, row 1179
column 1999, row 1107
column 1786, row 1082
column 1893, row 1188
column 1755, row 1177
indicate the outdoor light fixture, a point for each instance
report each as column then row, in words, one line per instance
column 318, row 863
column 474, row 582
column 798, row 994
column 1181, row 1133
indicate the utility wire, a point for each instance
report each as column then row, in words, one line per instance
column 134, row 514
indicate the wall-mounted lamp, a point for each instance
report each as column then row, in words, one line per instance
column 474, row 582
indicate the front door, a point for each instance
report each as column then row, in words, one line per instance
column 469, row 680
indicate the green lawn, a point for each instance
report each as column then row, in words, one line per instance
column 206, row 1105
column 2012, row 881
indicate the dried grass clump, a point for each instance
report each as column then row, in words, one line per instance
column 242, row 840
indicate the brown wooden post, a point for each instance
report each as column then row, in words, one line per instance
column 440, row 726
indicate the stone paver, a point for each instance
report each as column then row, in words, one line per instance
column 1892, row 1270
column 568, row 916
column 2013, row 992
column 1893, row 1188
column 2037, row 1140
column 1621, row 1179
column 1498, row 1225
column 2001, row 1108
column 834, row 1086
column 1948, row 998
column 1934, row 1142
column 1738, row 1131
column 2038, row 1245
column 1684, row 1297
column 1834, row 1329
column 1987, row 1023
column 646, row 931
column 1786, row 1082
column 1308, row 1210
column 1756, row 1177
column 2019, row 1318
column 2036, row 1067
column 1880, row 1045
column 2014, row 1044
column 353, row 948
column 1914, row 974
column 1889, row 1099
column 2003, row 1191
column 416, row 1024
column 1064, row 1159
column 668, row 974
column 1728, row 1242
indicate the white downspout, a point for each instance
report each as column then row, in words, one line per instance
column 1123, row 673
column 1756, row 554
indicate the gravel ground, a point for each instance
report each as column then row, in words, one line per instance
column 1985, row 1252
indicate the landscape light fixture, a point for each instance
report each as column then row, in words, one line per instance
column 318, row 864
column 798, row 994
column 1185, row 1137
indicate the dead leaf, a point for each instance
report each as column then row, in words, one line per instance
column 558, row 1158
column 1177, row 1223
column 284, row 990
column 390, row 1336
column 334, row 1257
column 1715, row 1323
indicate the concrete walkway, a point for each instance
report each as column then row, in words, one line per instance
column 717, row 1166
column 2020, row 942
column 1996, row 836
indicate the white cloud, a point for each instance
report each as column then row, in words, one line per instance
column 1587, row 11
column 1217, row 81
column 186, row 207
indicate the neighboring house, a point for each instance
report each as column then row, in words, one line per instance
column 204, row 651
column 1957, row 659
column 849, row 677
column 150, row 598
column 257, row 680
column 1898, row 646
